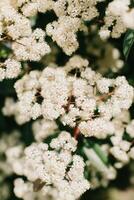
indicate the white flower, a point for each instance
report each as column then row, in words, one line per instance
column 117, row 7
column 99, row 128
column 13, row 68
column 104, row 34
column 43, row 128
column 63, row 32
column 104, row 84
column 56, row 169
column 128, row 19
column 31, row 48
column 119, row 154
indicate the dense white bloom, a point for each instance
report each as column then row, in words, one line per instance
column 59, row 170
column 65, row 142
column 32, row 47
column 13, row 68
column 30, row 8
column 43, row 128
column 16, row 24
column 119, row 17
column 74, row 62
column 10, row 69
column 99, row 128
column 89, row 101
column 63, row 32
column 71, row 97
column 104, row 84
column 86, row 9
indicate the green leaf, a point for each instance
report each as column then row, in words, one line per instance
column 128, row 42
column 98, row 150
column 101, row 153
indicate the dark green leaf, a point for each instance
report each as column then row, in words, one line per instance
column 128, row 42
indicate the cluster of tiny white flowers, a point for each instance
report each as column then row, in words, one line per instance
column 57, row 168
column 14, row 24
column 119, row 147
column 63, row 32
column 18, row 25
column 89, row 101
column 85, row 9
column 16, row 29
column 30, row 8
column 27, row 43
column 43, row 128
column 71, row 14
column 9, row 69
column 70, row 97
column 32, row 47
column 119, row 16
column 122, row 149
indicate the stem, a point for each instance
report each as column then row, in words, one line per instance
column 103, row 97
column 76, row 132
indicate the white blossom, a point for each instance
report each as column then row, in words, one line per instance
column 53, row 169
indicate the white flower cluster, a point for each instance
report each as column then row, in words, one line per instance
column 55, row 172
column 119, row 16
column 43, row 128
column 70, row 97
column 63, row 32
column 122, row 149
column 85, row 9
column 16, row 29
column 30, row 8
column 28, row 44
column 88, row 101
column 9, row 69
column 31, row 47
column 13, row 23
column 119, row 146
column 70, row 13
